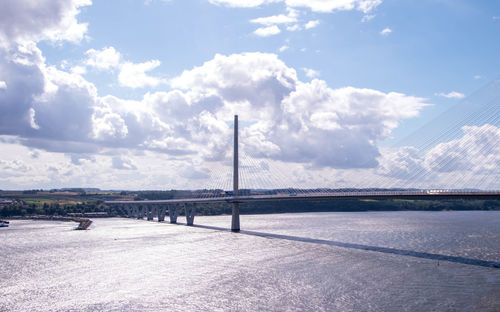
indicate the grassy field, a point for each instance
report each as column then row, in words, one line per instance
column 48, row 201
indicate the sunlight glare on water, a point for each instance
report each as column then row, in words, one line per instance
column 280, row 262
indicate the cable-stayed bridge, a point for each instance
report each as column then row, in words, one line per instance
column 461, row 146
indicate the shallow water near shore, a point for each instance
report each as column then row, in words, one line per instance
column 365, row 261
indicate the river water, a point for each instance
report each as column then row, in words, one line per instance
column 364, row 261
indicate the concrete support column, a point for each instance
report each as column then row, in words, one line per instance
column 130, row 211
column 190, row 211
column 150, row 212
column 235, row 217
column 135, row 211
column 173, row 213
column 161, row 213
column 142, row 212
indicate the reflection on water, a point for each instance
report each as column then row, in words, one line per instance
column 411, row 253
column 384, row 261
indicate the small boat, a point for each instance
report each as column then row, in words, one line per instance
column 4, row 223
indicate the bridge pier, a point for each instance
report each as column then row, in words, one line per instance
column 173, row 213
column 190, row 213
column 135, row 211
column 150, row 212
column 130, row 212
column 235, row 218
column 141, row 211
column 161, row 210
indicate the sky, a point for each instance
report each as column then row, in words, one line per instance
column 141, row 94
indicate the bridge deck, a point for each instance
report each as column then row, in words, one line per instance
column 338, row 195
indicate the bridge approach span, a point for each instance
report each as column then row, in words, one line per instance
column 336, row 195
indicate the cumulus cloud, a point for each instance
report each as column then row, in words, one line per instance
column 26, row 20
column 332, row 127
column 476, row 150
column 61, row 112
column 17, row 98
column 311, row 73
column 401, row 163
column 295, row 121
column 14, row 165
column 290, row 120
column 308, row 127
column 122, row 163
column 104, row 59
column 451, row 95
column 267, row 31
column 386, row 31
column 79, row 70
column 470, row 160
column 55, row 111
column 295, row 27
column 134, row 75
column 311, row 24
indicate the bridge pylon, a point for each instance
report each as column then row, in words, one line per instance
column 235, row 216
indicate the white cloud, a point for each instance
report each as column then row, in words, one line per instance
column 123, row 163
column 25, row 20
column 335, row 5
column 471, row 160
column 287, row 112
column 271, row 23
column 367, row 18
column 401, row 163
column 79, row 70
column 386, row 31
column 476, row 150
column 451, row 95
column 294, row 27
column 311, row 73
column 274, row 20
column 477, row 77
column 167, row 138
column 242, row 3
column 134, row 75
column 33, row 123
column 314, row 5
column 311, row 24
column 61, row 112
column 292, row 6
column 267, row 31
column 283, row 48
column 104, row 59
